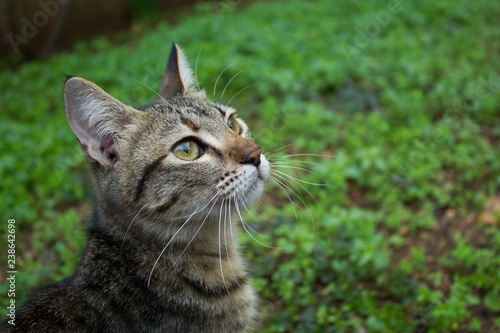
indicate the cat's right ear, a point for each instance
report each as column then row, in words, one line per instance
column 97, row 119
column 178, row 77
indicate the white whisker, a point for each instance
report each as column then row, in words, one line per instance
column 145, row 85
column 164, row 248
column 226, row 208
column 196, row 233
column 292, row 166
column 171, row 239
column 320, row 155
column 294, row 180
column 235, row 75
column 298, row 196
column 196, row 67
column 246, row 205
column 126, row 232
column 276, row 181
column 277, row 151
column 279, row 161
column 220, row 251
column 282, row 182
column 300, row 180
column 231, row 225
column 239, row 93
column 217, row 81
column 243, row 224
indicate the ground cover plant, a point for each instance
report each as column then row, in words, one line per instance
column 403, row 97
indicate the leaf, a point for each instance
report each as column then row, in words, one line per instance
column 492, row 300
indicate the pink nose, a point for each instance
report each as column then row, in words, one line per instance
column 253, row 157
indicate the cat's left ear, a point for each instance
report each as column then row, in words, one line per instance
column 178, row 77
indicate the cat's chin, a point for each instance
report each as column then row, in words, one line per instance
column 254, row 194
column 255, row 181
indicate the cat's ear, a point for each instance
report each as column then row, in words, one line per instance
column 97, row 119
column 178, row 77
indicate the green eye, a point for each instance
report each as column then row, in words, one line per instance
column 188, row 150
column 233, row 124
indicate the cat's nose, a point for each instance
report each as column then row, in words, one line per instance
column 253, row 157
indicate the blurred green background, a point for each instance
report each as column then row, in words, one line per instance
column 404, row 97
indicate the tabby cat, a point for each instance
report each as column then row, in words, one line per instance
column 161, row 254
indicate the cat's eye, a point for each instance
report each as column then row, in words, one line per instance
column 188, row 150
column 233, row 124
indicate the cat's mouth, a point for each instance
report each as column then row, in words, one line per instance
column 246, row 183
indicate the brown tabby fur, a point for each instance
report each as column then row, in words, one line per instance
column 161, row 254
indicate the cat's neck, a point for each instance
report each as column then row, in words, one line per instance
column 207, row 253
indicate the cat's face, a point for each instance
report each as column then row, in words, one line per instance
column 190, row 151
column 171, row 158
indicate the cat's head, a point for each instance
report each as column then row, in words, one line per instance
column 177, row 155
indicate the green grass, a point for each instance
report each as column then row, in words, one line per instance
column 406, row 236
